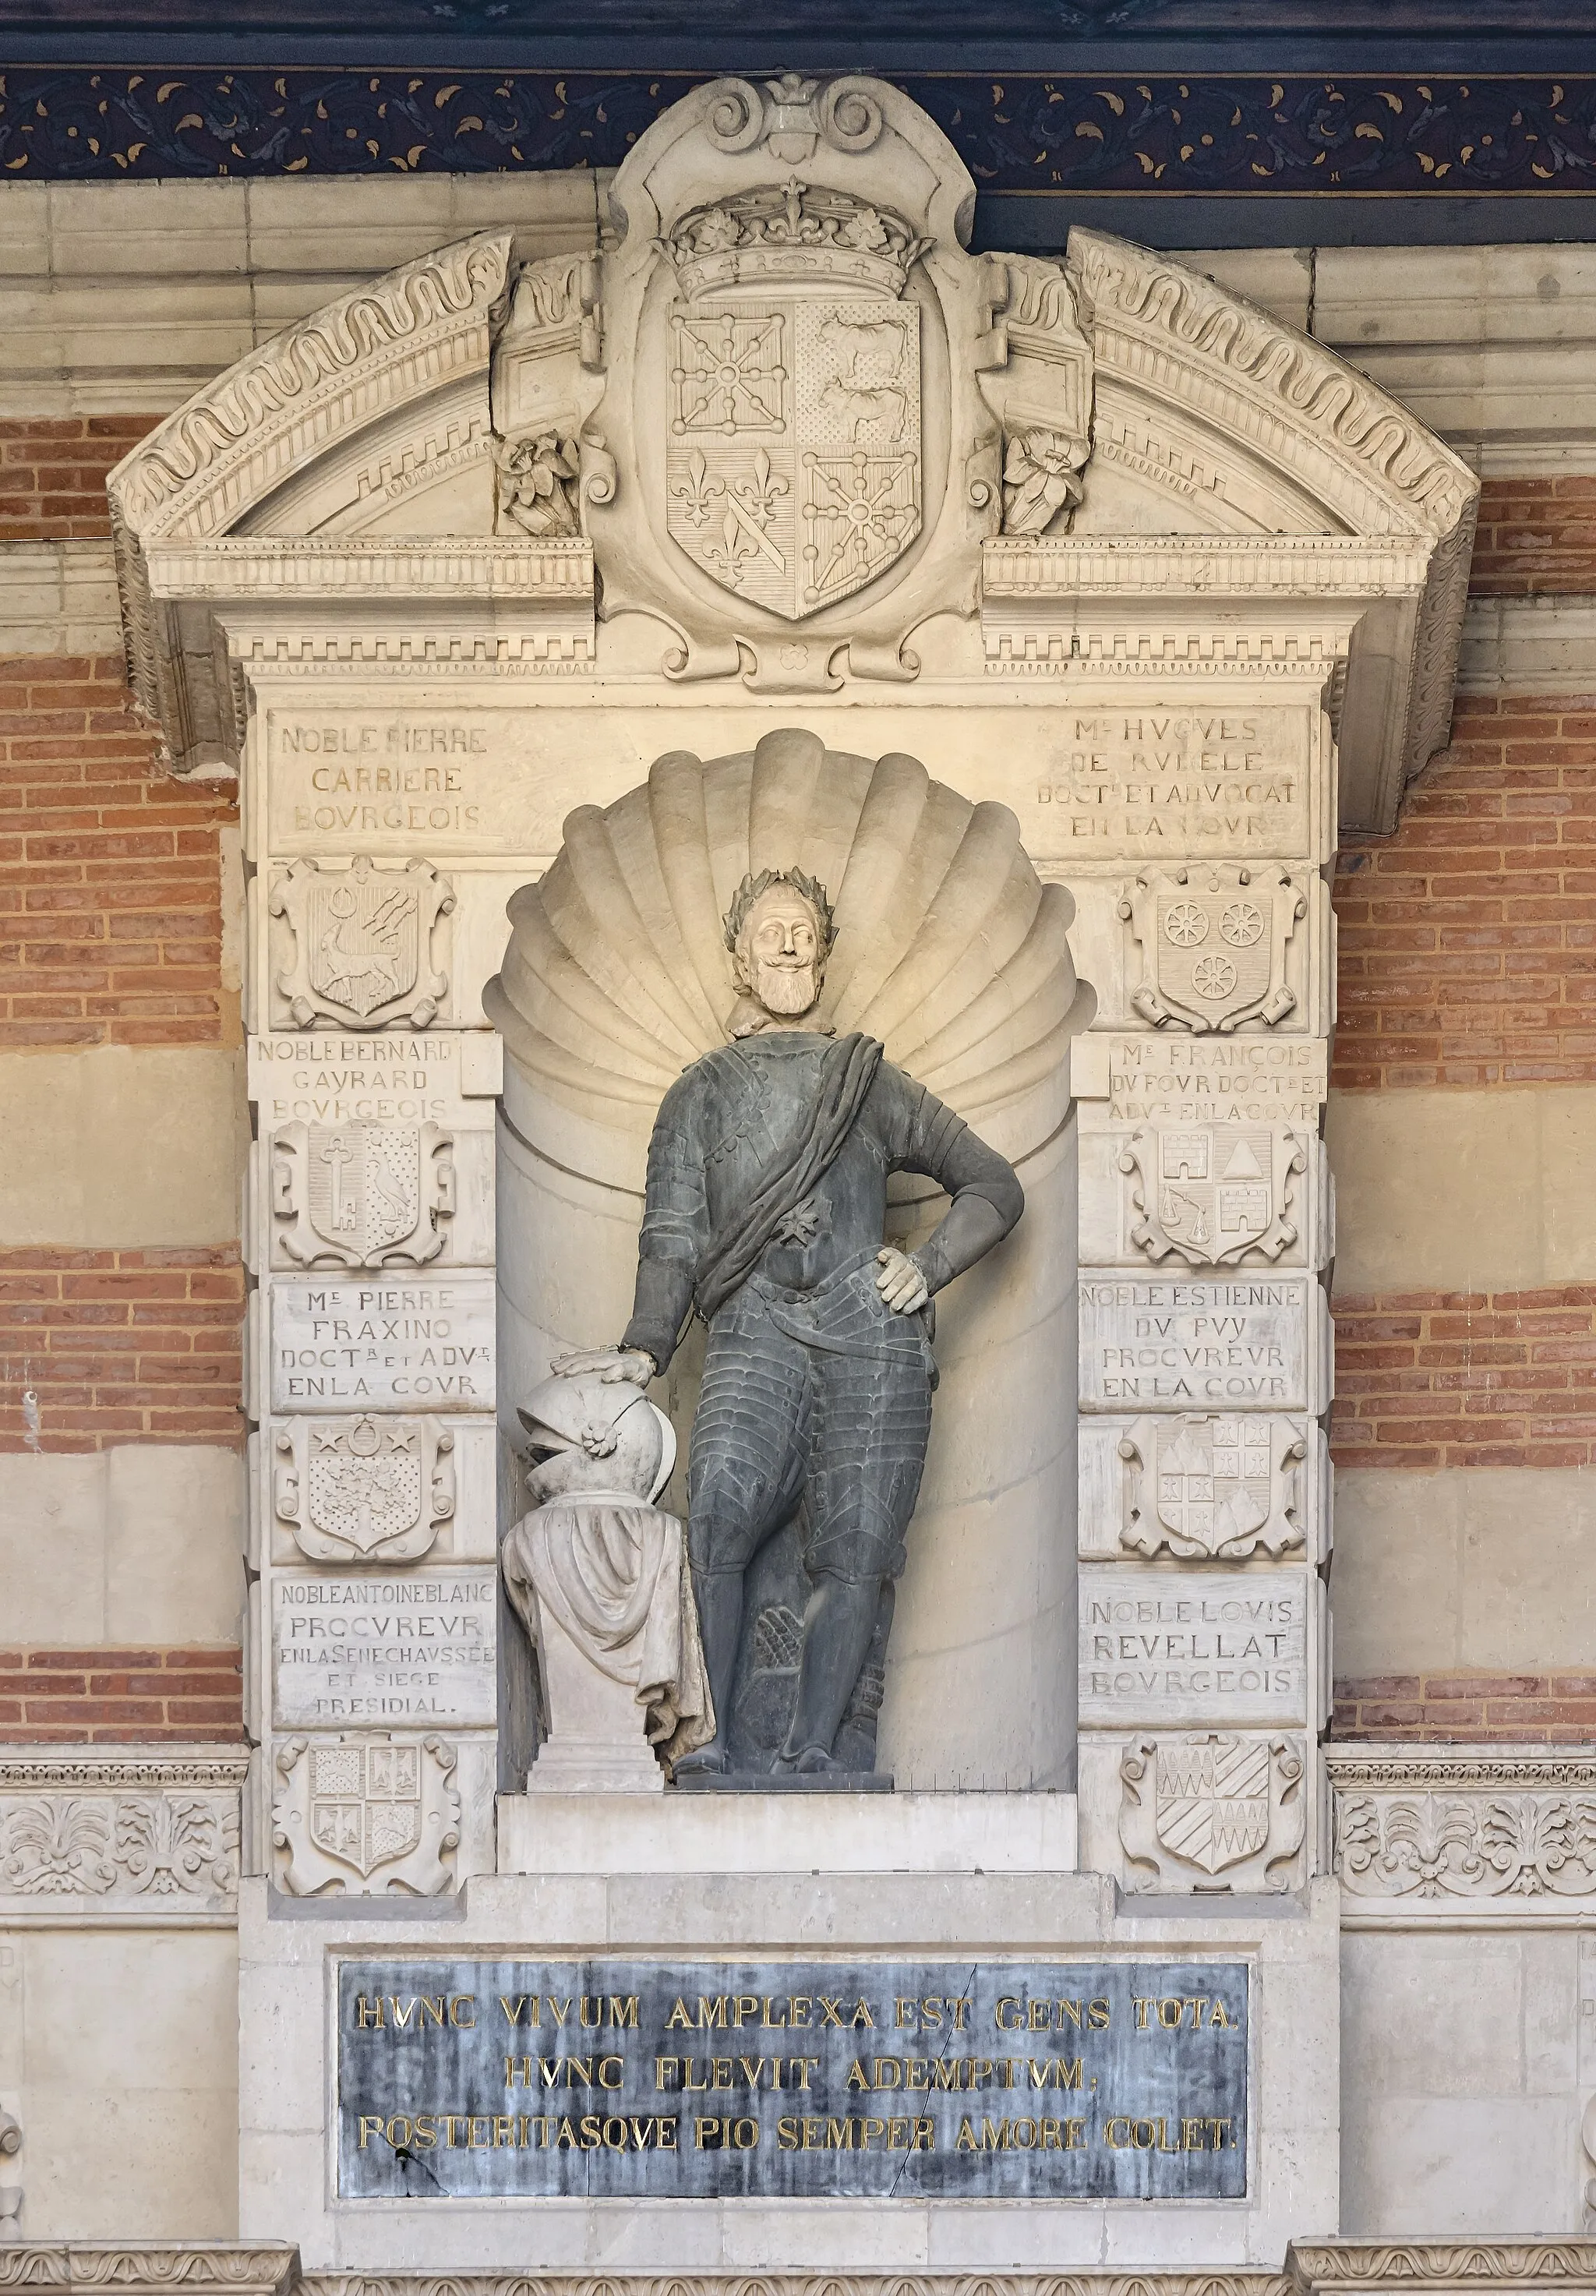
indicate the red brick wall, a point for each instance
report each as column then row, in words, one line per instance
column 1456, row 1379
column 111, row 922
column 119, row 1347
column 1468, row 941
column 1534, row 535
column 1556, row 1709
column 53, row 474
column 107, row 1694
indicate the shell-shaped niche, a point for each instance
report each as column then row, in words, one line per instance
column 948, row 946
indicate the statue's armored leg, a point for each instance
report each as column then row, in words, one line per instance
column 745, row 1471
column 867, row 1451
column 839, row 1621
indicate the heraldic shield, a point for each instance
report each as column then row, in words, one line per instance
column 793, row 468
column 365, row 1802
column 1214, row 1193
column 1213, row 940
column 1211, row 1799
column 365, row 1482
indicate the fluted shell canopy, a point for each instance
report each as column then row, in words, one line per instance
column 948, row 946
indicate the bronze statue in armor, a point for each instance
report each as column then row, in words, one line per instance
column 766, row 1205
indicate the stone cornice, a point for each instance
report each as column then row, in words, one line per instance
column 702, row 2283
column 1356, row 2266
column 423, row 331
column 134, row 2267
column 1342, row 439
column 1398, row 1767
column 200, row 472
column 351, row 568
column 1332, row 567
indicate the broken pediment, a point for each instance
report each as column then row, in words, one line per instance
column 788, row 435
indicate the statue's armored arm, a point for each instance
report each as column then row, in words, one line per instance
column 676, row 1225
column 987, row 1198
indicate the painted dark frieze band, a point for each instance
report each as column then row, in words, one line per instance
column 1245, row 135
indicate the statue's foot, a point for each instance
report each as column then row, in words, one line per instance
column 706, row 1761
column 810, row 1762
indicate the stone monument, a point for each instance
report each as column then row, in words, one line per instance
column 895, row 690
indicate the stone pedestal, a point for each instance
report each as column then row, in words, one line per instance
column 596, row 1747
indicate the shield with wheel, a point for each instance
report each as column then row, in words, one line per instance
column 1214, row 944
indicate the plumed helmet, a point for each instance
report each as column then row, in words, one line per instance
column 590, row 1434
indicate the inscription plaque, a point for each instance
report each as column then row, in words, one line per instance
column 1199, row 1647
column 426, row 1345
column 328, row 1076
column 612, row 2079
column 1163, row 1079
column 1182, row 780
column 399, row 1647
column 1199, row 1343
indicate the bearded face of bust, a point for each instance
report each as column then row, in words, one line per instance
column 778, row 954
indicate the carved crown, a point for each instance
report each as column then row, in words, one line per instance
column 792, row 232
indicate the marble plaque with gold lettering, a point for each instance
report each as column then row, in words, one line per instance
column 471, row 2078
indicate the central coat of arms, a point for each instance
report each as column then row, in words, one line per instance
column 793, row 468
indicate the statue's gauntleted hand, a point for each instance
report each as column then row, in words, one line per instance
column 901, row 1282
column 612, row 1365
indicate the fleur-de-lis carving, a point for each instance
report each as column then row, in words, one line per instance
column 699, row 492
column 760, row 494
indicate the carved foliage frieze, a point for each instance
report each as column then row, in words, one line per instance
column 1213, row 941
column 363, row 1817
column 174, row 1844
column 361, row 943
column 360, row 1195
column 374, row 1489
column 1433, row 1827
column 1217, row 1805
